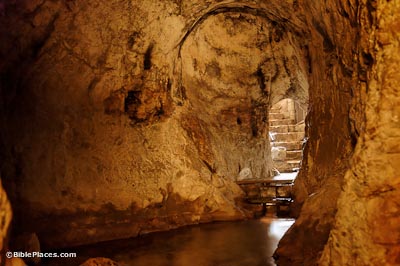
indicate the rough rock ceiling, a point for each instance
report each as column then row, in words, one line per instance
column 107, row 129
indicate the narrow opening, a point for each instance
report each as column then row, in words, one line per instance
column 287, row 136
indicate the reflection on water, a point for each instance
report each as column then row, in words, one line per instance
column 244, row 243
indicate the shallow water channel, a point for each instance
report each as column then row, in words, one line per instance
column 242, row 243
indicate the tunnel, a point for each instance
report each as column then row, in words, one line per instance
column 125, row 118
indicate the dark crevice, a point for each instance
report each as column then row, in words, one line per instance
column 93, row 84
column 293, row 80
column 344, row 13
column 210, row 168
column 348, row 13
column 147, row 57
column 354, row 139
column 254, row 129
column 132, row 98
column 160, row 112
column 367, row 59
column 253, row 123
column 285, row 62
column 371, row 6
column 327, row 42
column 295, row 5
column 169, row 85
column 346, row 70
column 309, row 59
column 132, row 39
column 132, row 101
column 278, row 32
column 365, row 63
column 38, row 45
column 261, row 80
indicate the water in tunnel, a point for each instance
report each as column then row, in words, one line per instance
column 243, row 243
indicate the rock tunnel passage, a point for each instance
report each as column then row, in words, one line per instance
column 125, row 117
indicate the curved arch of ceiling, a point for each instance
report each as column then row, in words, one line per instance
column 268, row 11
column 279, row 65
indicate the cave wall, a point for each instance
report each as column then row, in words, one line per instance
column 330, row 128
column 231, row 66
column 94, row 150
column 5, row 220
column 351, row 207
column 108, row 130
column 105, row 133
column 367, row 225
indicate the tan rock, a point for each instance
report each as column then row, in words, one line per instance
column 99, row 262
column 121, row 117
column 5, row 218
column 278, row 153
column 15, row 262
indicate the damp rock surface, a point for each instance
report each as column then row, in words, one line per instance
column 125, row 117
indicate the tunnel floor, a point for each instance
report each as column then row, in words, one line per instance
column 240, row 243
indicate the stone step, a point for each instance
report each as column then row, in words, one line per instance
column 279, row 129
column 296, row 128
column 287, row 128
column 276, row 116
column 286, row 115
column 294, row 163
column 294, row 155
column 291, row 136
column 287, row 166
column 279, row 115
column 289, row 145
column 275, row 110
column 281, row 122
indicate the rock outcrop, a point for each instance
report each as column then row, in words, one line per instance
column 367, row 224
column 123, row 117
column 5, row 220
column 99, row 262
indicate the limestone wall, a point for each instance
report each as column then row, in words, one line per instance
column 5, row 220
column 367, row 225
column 123, row 117
column 360, row 43
column 331, row 138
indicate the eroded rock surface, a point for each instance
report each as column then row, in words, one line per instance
column 128, row 117
column 123, row 117
column 367, row 225
column 5, row 219
column 99, row 262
